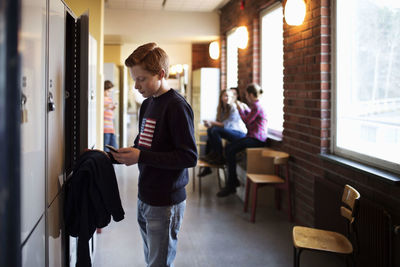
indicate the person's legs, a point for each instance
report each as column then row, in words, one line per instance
column 232, row 135
column 230, row 151
column 210, row 146
column 113, row 141
column 159, row 227
column 217, row 134
column 107, row 137
column 228, row 134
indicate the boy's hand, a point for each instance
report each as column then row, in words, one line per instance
column 126, row 155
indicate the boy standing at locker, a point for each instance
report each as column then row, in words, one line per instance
column 164, row 148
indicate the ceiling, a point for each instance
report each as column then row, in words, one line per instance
column 170, row 5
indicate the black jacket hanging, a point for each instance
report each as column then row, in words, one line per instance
column 91, row 197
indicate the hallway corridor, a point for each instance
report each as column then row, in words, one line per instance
column 215, row 232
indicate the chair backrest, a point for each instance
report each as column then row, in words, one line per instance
column 258, row 164
column 350, row 198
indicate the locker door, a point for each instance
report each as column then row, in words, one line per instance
column 33, row 249
column 55, row 132
column 32, row 47
column 55, row 98
column 55, row 238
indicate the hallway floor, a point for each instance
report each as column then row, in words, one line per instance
column 215, row 232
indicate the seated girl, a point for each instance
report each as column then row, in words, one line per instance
column 228, row 125
column 256, row 122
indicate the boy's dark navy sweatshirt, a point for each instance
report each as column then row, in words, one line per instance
column 167, row 148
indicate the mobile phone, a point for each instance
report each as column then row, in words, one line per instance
column 112, row 148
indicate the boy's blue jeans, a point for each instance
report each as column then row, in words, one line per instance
column 159, row 227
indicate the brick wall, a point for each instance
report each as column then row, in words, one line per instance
column 307, row 102
column 249, row 58
column 307, row 107
column 201, row 57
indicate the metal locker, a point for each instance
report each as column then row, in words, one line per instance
column 55, row 100
column 32, row 47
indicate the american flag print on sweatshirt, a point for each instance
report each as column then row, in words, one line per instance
column 147, row 132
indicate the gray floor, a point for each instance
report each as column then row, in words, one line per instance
column 215, row 232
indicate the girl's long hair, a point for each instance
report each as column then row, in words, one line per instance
column 223, row 112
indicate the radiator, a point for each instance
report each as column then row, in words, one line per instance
column 374, row 226
column 375, row 235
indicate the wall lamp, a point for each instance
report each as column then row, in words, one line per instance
column 295, row 12
column 213, row 49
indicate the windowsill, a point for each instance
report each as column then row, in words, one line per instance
column 275, row 137
column 368, row 170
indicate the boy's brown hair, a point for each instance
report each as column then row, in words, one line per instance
column 151, row 57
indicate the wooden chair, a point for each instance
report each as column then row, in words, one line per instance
column 327, row 241
column 202, row 131
column 263, row 168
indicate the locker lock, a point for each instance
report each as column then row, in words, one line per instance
column 50, row 103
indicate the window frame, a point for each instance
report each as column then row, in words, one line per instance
column 335, row 150
column 274, row 133
column 231, row 31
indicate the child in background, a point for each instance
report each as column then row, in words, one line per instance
column 109, row 106
column 228, row 125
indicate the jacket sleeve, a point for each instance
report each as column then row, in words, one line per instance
column 250, row 117
column 106, row 184
column 180, row 125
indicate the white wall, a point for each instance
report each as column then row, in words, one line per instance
column 133, row 26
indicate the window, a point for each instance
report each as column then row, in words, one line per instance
column 272, row 67
column 231, row 60
column 367, row 97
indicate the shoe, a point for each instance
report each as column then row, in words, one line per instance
column 226, row 191
column 205, row 171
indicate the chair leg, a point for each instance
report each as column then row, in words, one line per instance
column 254, row 204
column 246, row 194
column 277, row 198
column 219, row 178
column 194, row 179
column 296, row 257
column 350, row 260
column 289, row 194
column 199, row 184
column 225, row 178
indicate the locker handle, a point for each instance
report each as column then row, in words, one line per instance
column 51, row 106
